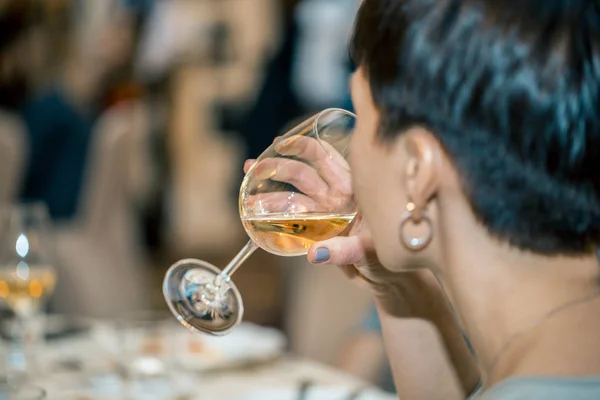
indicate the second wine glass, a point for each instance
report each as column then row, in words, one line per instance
column 297, row 193
column 27, row 279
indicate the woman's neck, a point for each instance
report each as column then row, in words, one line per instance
column 518, row 309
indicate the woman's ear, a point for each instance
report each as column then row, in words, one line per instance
column 422, row 169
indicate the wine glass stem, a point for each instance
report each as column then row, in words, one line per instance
column 23, row 362
column 234, row 264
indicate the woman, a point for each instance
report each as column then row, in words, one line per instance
column 475, row 165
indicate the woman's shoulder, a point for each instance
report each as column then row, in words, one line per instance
column 544, row 388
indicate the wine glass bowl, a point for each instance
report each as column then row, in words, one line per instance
column 297, row 193
column 27, row 277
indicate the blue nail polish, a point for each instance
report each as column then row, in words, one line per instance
column 322, row 255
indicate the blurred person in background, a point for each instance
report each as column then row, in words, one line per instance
column 87, row 131
column 14, row 86
column 320, row 68
column 276, row 104
column 308, row 73
column 122, row 84
column 61, row 118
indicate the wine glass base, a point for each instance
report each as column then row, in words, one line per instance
column 199, row 305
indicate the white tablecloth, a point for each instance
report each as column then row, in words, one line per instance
column 86, row 368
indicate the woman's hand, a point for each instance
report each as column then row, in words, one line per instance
column 353, row 251
column 414, row 293
column 316, row 169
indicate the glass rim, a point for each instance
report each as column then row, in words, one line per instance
column 312, row 128
column 318, row 116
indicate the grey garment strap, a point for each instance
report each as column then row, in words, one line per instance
column 547, row 388
column 475, row 392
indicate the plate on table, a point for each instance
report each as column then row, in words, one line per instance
column 247, row 344
column 318, row 393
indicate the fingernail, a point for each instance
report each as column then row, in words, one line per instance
column 321, row 255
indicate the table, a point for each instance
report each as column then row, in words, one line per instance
column 84, row 368
column 288, row 371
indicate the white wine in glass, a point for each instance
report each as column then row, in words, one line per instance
column 296, row 194
column 292, row 235
column 26, row 288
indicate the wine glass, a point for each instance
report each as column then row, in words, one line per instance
column 297, row 193
column 27, row 277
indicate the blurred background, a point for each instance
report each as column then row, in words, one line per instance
column 131, row 119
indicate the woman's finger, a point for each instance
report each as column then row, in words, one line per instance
column 309, row 149
column 302, row 176
column 350, row 271
column 332, row 166
column 248, row 164
column 338, row 251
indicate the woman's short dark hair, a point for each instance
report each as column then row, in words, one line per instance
column 512, row 92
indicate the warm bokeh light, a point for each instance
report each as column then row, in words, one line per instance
column 4, row 289
column 36, row 289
